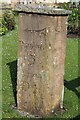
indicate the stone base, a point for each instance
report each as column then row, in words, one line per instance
column 27, row 115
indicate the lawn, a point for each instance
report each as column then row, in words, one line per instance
column 9, row 57
column 0, row 76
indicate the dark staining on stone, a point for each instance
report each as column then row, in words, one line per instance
column 49, row 44
column 35, row 85
column 36, row 30
column 30, row 2
column 29, row 45
column 31, row 59
column 42, row 66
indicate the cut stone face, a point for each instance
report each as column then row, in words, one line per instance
column 41, row 55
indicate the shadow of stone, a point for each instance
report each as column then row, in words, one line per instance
column 72, row 85
column 76, row 118
column 13, row 73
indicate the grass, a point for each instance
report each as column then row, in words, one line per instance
column 0, row 77
column 9, row 57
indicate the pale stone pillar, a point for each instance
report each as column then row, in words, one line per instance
column 41, row 56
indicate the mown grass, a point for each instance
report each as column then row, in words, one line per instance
column 9, row 57
column 0, row 78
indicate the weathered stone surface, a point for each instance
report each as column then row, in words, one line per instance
column 41, row 55
column 41, row 9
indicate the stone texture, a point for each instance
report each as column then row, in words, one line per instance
column 41, row 55
column 41, row 9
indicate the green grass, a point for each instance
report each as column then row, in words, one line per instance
column 0, row 77
column 9, row 56
column 9, row 46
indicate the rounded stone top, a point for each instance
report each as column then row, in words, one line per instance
column 40, row 9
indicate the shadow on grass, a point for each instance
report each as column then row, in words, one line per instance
column 76, row 118
column 72, row 85
column 13, row 73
